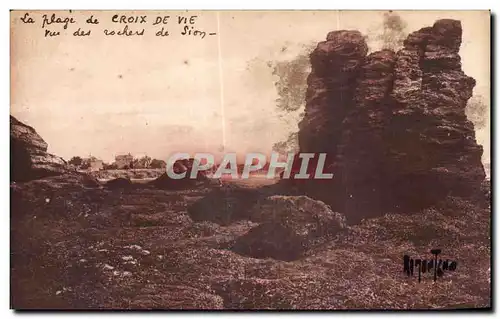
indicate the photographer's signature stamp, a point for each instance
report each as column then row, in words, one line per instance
column 432, row 266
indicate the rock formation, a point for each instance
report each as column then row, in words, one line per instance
column 28, row 154
column 335, row 67
column 181, row 166
column 393, row 123
column 177, row 297
column 289, row 225
column 119, row 183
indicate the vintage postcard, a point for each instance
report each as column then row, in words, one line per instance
column 223, row 160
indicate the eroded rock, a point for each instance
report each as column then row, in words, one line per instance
column 289, row 226
column 179, row 167
column 177, row 297
column 119, row 183
column 393, row 124
column 29, row 159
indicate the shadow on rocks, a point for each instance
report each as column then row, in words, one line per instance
column 225, row 205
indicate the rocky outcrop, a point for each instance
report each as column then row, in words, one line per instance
column 225, row 205
column 29, row 159
column 178, row 298
column 119, row 183
column 305, row 215
column 393, row 123
column 361, row 157
column 289, row 226
column 335, row 67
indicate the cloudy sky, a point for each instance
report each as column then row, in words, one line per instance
column 107, row 95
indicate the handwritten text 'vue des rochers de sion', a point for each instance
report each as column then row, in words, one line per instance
column 54, row 25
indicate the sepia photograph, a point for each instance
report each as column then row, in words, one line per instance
column 250, row 160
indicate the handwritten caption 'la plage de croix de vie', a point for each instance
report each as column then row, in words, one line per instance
column 122, row 25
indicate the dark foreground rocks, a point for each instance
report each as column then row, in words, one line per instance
column 78, row 247
column 289, row 226
column 28, row 154
column 177, row 297
column 165, row 182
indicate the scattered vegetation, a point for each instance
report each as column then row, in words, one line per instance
column 139, row 248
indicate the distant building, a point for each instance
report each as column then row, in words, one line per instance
column 92, row 163
column 96, row 165
column 124, row 161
